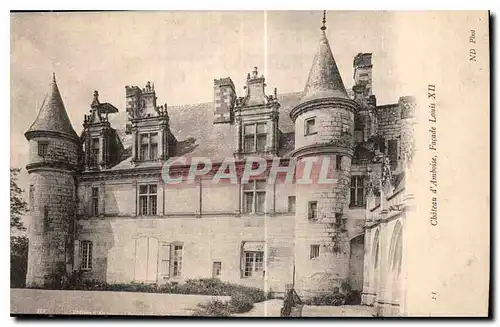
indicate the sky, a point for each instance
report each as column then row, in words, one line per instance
column 181, row 53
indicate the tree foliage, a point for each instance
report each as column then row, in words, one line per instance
column 18, row 206
column 18, row 260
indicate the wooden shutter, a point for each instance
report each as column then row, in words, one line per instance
column 165, row 255
column 152, row 260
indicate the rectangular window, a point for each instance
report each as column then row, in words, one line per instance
column 95, row 201
column 314, row 251
column 310, row 126
column 177, row 261
column 291, row 204
column 94, row 152
column 216, row 269
column 43, row 148
column 255, row 138
column 86, row 255
column 153, row 146
column 254, row 263
column 254, row 197
column 312, row 210
column 148, row 200
column 148, row 146
column 357, row 191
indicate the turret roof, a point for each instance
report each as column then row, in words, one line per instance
column 52, row 116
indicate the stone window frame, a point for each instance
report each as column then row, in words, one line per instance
column 307, row 126
column 312, row 210
column 94, row 151
column 314, row 250
column 252, row 259
column 86, row 255
column 292, row 207
column 177, row 258
column 149, row 154
column 254, row 135
column 43, row 148
column 150, row 197
column 252, row 266
column 355, row 189
column 257, row 189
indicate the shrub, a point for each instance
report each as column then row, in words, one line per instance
column 213, row 308
column 353, row 298
column 241, row 302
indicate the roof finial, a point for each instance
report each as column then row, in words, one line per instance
column 53, row 77
column 324, row 21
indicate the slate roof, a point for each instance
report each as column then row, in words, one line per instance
column 52, row 115
column 197, row 135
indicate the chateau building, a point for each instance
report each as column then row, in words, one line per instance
column 101, row 203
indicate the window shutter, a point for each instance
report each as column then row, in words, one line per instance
column 165, row 260
column 242, row 260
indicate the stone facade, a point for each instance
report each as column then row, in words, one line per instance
column 114, row 215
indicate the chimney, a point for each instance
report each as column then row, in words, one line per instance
column 363, row 73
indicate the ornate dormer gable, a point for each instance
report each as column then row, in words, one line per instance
column 101, row 146
column 256, row 116
column 149, row 125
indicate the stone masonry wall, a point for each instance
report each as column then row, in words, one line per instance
column 59, row 150
column 52, row 217
column 331, row 268
column 205, row 240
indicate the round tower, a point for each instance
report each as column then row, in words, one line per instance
column 324, row 129
column 53, row 158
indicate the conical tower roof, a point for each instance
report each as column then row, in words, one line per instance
column 52, row 116
column 324, row 77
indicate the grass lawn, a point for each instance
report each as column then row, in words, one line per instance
column 31, row 301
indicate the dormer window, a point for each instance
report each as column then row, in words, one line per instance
column 255, row 138
column 310, row 126
column 148, row 146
